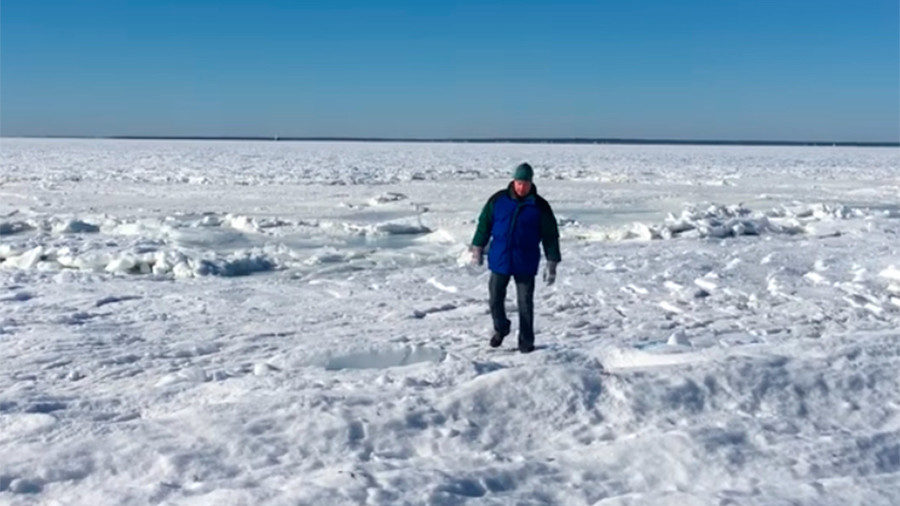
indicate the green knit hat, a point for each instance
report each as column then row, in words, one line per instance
column 523, row 172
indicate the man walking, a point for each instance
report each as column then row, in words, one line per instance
column 515, row 221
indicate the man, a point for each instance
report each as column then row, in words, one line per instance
column 515, row 220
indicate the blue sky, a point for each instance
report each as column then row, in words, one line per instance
column 726, row 70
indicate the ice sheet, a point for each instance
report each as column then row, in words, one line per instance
column 192, row 322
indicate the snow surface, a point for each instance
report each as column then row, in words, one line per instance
column 295, row 323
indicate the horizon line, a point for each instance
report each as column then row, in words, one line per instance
column 482, row 140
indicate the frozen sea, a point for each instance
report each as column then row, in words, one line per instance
column 221, row 322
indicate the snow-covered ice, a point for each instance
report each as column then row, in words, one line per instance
column 190, row 322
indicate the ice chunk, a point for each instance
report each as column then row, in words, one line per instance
column 13, row 227
column 706, row 283
column 241, row 223
column 815, row 278
column 387, row 197
column 642, row 232
column 26, row 260
column 678, row 338
column 891, row 273
column 668, row 306
column 182, row 270
column 122, row 264
column 397, row 228
column 192, row 374
column 75, row 227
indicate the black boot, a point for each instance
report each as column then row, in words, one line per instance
column 497, row 338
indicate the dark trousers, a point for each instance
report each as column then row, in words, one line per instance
column 525, row 293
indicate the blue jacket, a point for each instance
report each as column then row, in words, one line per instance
column 515, row 228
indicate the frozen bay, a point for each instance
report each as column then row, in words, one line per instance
column 212, row 322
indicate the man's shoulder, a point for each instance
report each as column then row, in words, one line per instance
column 498, row 194
column 542, row 203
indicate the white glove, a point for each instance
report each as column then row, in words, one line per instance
column 550, row 273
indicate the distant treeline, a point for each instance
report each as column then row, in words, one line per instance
column 511, row 140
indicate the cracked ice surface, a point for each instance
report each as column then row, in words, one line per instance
column 294, row 323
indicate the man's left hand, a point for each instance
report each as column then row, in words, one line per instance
column 550, row 273
column 477, row 255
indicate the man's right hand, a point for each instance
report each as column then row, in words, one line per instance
column 477, row 255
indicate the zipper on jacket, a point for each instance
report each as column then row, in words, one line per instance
column 512, row 224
